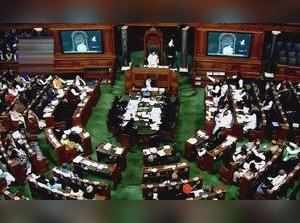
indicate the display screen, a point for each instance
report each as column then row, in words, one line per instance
column 81, row 41
column 229, row 44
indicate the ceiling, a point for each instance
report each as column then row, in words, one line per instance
column 124, row 11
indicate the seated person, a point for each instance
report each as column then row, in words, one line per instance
column 11, row 94
column 240, row 154
column 19, row 106
column 250, row 122
column 81, row 84
column 71, row 139
column 267, row 105
column 250, row 168
column 7, row 176
column 76, row 191
column 70, row 145
column 25, row 78
column 75, row 95
column 54, row 185
column 21, row 157
column 290, row 152
column 34, row 121
column 148, row 84
column 153, row 60
column 17, row 117
column 89, row 193
column 58, row 83
column 223, row 120
column 42, row 81
column 272, row 183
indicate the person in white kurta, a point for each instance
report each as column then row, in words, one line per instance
column 8, row 177
column 250, row 122
column 153, row 60
column 278, row 180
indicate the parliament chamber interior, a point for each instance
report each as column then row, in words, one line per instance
column 143, row 111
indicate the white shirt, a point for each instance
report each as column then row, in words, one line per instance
column 277, row 181
column 148, row 84
column 251, row 121
column 153, row 60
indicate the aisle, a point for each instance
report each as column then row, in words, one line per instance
column 129, row 187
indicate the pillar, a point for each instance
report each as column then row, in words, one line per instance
column 124, row 43
column 184, row 48
column 271, row 57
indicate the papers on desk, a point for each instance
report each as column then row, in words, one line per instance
column 119, row 150
column 78, row 159
column 161, row 153
column 67, row 132
column 167, row 147
column 48, row 110
column 86, row 135
column 154, row 127
column 77, row 129
column 154, row 170
column 107, row 146
column 229, row 141
column 192, row 141
column 215, row 73
column 153, row 150
column 202, row 134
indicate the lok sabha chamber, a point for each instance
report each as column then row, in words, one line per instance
column 154, row 111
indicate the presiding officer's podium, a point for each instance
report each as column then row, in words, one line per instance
column 162, row 77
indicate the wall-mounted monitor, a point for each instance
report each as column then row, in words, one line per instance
column 231, row 44
column 81, row 41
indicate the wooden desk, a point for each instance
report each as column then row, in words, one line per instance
column 190, row 145
column 84, row 109
column 109, row 171
column 15, row 167
column 111, row 154
column 7, row 195
column 69, row 178
column 163, row 77
column 216, row 193
column 248, row 184
column 169, row 190
column 163, row 155
column 64, row 155
column 207, row 161
column 158, row 174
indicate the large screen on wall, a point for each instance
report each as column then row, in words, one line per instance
column 231, row 44
column 81, row 41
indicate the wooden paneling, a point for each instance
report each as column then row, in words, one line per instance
column 101, row 66
column 250, row 67
column 164, row 78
